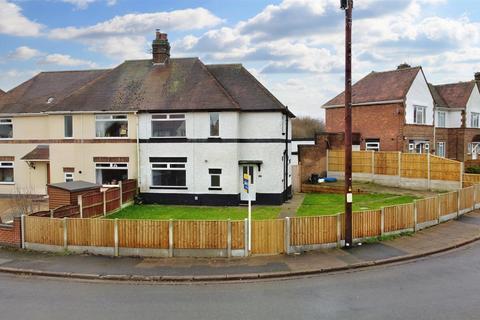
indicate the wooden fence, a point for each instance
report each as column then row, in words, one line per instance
column 403, row 165
column 230, row 238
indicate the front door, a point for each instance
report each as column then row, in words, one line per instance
column 250, row 170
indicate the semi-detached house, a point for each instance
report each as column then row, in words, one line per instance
column 187, row 131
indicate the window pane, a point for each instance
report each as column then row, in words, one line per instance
column 111, row 176
column 214, row 124
column 177, row 116
column 169, row 128
column 68, row 126
column 169, row 178
column 159, row 116
column 215, row 171
column 112, row 128
column 6, row 174
column 177, row 165
column 6, row 130
column 250, row 172
column 215, row 180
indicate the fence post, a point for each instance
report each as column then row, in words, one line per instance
column 439, row 210
column 326, row 166
column 373, row 164
column 458, row 203
column 382, row 221
column 104, row 193
column 415, row 216
column 339, row 230
column 65, row 234
column 51, row 213
column 229, row 238
column 245, row 233
column 115, row 237
column 80, row 204
column 399, row 167
column 461, row 174
column 429, row 174
column 22, row 230
column 121, row 193
column 474, row 197
column 170, row 238
column 287, row 235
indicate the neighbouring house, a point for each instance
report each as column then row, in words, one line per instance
column 457, row 119
column 187, row 131
column 391, row 111
column 2, row 92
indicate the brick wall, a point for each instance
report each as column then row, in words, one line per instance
column 416, row 132
column 313, row 159
column 11, row 234
column 375, row 121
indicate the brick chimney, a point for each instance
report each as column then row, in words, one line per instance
column 404, row 66
column 477, row 76
column 160, row 48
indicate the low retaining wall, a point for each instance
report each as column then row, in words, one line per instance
column 11, row 234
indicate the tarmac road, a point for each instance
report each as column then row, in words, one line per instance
column 439, row 287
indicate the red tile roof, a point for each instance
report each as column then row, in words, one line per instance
column 454, row 95
column 379, row 86
column 41, row 152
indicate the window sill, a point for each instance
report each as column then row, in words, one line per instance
column 7, row 183
column 168, row 188
column 112, row 138
column 215, row 188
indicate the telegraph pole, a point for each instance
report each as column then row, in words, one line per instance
column 347, row 5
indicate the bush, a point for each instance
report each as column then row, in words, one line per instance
column 473, row 169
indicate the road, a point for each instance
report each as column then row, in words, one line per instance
column 440, row 287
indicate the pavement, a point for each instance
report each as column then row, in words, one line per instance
column 444, row 237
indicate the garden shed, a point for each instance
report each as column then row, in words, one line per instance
column 65, row 193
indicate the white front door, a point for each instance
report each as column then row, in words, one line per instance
column 251, row 171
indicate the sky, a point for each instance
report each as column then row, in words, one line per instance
column 294, row 47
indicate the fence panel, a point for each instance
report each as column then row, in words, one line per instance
column 427, row 209
column 268, row 236
column 466, row 197
column 313, row 230
column 362, row 162
column 200, row 234
column 129, row 189
column 398, row 217
column 477, row 194
column 448, row 203
column 90, row 232
column 238, row 235
column 366, row 224
column 44, row 230
column 414, row 166
column 112, row 197
column 444, row 169
column 150, row 234
column 470, row 179
column 92, row 204
column 336, row 160
column 386, row 163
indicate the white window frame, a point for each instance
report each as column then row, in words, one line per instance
column 475, row 117
column 217, row 174
column 441, row 146
column 210, row 126
column 8, row 165
column 65, row 127
column 164, row 117
column 108, row 118
column 68, row 176
column 111, row 166
column 170, row 166
column 423, row 112
column 440, row 125
column 6, row 122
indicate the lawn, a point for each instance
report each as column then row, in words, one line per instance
column 166, row 212
column 317, row 204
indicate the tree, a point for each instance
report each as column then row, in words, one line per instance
column 306, row 127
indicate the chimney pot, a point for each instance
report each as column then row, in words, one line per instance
column 403, row 66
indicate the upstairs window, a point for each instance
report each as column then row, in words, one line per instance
column 441, row 119
column 111, row 126
column 214, row 124
column 168, row 125
column 6, row 129
column 419, row 115
column 6, row 172
column 68, row 126
column 475, row 120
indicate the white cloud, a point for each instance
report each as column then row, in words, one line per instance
column 65, row 60
column 12, row 77
column 13, row 22
column 83, row 4
column 24, row 53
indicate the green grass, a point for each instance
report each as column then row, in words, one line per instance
column 166, row 212
column 317, row 204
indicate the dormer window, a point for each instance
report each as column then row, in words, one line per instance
column 50, row 100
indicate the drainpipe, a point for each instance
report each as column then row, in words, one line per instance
column 138, row 149
column 286, row 153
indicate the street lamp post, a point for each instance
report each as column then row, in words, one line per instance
column 347, row 5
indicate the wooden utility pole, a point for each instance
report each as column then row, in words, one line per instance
column 347, row 5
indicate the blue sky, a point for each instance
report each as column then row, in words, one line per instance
column 294, row 47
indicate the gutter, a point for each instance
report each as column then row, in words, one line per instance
column 364, row 104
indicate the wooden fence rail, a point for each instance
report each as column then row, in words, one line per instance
column 227, row 238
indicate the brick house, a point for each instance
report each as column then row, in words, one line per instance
column 457, row 119
column 392, row 111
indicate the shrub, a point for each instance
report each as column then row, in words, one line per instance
column 473, row 169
